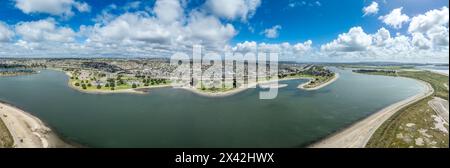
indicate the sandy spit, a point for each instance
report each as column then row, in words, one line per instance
column 28, row 131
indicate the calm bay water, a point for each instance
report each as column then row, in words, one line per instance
column 434, row 68
column 169, row 117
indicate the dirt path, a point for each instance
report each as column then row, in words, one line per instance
column 440, row 106
column 358, row 134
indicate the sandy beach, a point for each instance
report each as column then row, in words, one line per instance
column 302, row 86
column 269, row 84
column 217, row 94
column 358, row 134
column 28, row 131
column 264, row 84
column 140, row 90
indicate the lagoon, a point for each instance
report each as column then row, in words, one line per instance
column 167, row 117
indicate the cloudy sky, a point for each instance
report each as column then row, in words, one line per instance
column 300, row 30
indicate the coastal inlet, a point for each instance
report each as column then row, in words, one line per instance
column 167, row 117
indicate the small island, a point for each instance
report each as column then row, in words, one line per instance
column 104, row 76
column 318, row 76
column 17, row 72
column 385, row 72
column 17, row 69
column 91, row 81
column 127, row 76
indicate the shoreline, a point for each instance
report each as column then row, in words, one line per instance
column 302, row 86
column 359, row 133
column 236, row 90
column 253, row 85
column 438, row 72
column 356, row 135
column 28, row 131
column 14, row 75
column 140, row 90
column 144, row 90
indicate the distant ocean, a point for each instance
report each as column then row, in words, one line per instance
column 434, row 68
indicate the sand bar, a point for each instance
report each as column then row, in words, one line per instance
column 271, row 83
column 28, row 131
column 302, row 86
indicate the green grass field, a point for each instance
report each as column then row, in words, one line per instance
column 437, row 81
column 117, row 87
column 413, row 126
column 379, row 67
column 6, row 140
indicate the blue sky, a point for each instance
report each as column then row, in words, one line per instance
column 294, row 22
column 324, row 23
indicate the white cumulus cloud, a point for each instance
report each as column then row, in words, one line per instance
column 272, row 32
column 246, row 46
column 303, row 47
column 358, row 45
column 371, row 9
column 6, row 33
column 233, row 9
column 208, row 29
column 395, row 19
column 381, row 37
column 53, row 7
column 43, row 31
column 355, row 40
column 286, row 50
column 168, row 10
column 168, row 29
column 433, row 25
column 420, row 41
